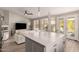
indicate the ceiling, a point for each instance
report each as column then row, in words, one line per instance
column 43, row 10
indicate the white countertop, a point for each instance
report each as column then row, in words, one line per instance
column 48, row 39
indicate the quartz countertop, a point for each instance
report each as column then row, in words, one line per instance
column 48, row 39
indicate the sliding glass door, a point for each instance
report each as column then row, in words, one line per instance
column 44, row 24
column 53, row 24
column 41, row 24
column 66, row 25
column 61, row 25
column 71, row 27
column 36, row 25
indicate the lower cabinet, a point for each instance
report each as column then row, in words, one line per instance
column 32, row 46
column 28, row 45
column 60, row 46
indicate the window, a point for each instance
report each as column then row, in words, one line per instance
column 44, row 24
column 36, row 24
column 53, row 25
column 70, row 25
column 61, row 25
column 41, row 24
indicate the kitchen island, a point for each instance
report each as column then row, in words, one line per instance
column 42, row 41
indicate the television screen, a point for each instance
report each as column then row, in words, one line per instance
column 20, row 26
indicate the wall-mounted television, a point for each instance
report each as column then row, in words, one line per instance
column 19, row 26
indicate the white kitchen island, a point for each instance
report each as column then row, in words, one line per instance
column 50, row 41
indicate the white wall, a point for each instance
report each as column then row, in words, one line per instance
column 16, row 18
column 13, row 18
column 10, row 18
column 6, row 16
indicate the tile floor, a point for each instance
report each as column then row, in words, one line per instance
column 10, row 46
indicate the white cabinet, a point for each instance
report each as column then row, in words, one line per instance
column 59, row 45
column 5, row 35
column 5, row 32
column 54, row 48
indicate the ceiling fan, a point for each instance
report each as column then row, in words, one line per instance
column 27, row 12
